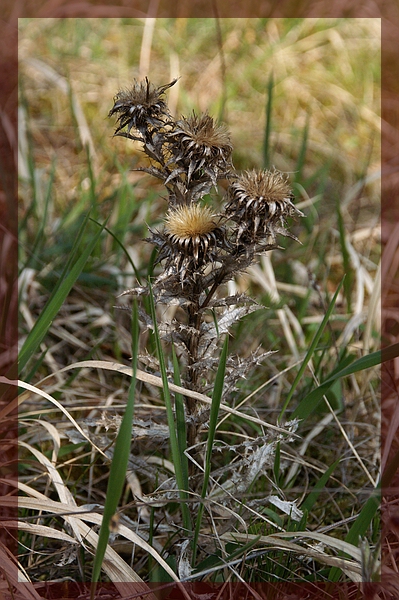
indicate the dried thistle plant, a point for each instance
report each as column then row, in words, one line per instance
column 201, row 249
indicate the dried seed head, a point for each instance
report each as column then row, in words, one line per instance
column 141, row 106
column 190, row 221
column 190, row 239
column 202, row 145
column 259, row 201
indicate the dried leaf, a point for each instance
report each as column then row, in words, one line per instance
column 228, row 318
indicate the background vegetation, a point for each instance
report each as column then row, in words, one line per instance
column 299, row 94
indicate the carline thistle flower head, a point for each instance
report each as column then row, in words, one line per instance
column 259, row 202
column 190, row 238
column 190, row 155
column 200, row 144
column 140, row 106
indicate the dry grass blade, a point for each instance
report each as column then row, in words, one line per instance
column 115, row 567
column 62, row 490
column 351, row 568
column 39, row 530
column 16, row 577
column 55, row 436
column 145, row 53
column 374, row 312
column 266, row 278
column 40, row 392
column 154, row 380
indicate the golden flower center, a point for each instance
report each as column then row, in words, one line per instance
column 190, row 221
column 268, row 186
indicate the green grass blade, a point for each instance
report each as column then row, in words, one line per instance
column 310, row 352
column 216, row 400
column 34, row 251
column 122, row 247
column 364, row 519
column 344, row 361
column 360, row 526
column 311, row 498
column 361, row 364
column 174, row 445
column 390, row 352
column 310, row 402
column 117, row 474
column 61, row 291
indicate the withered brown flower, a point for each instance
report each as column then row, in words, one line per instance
column 141, row 106
column 190, row 238
column 202, row 146
column 259, row 202
column 201, row 249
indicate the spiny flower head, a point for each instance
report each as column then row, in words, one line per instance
column 191, row 236
column 198, row 142
column 141, row 106
column 190, row 221
column 259, row 201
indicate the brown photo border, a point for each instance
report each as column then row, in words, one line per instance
column 388, row 12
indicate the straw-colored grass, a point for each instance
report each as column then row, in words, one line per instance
column 324, row 131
